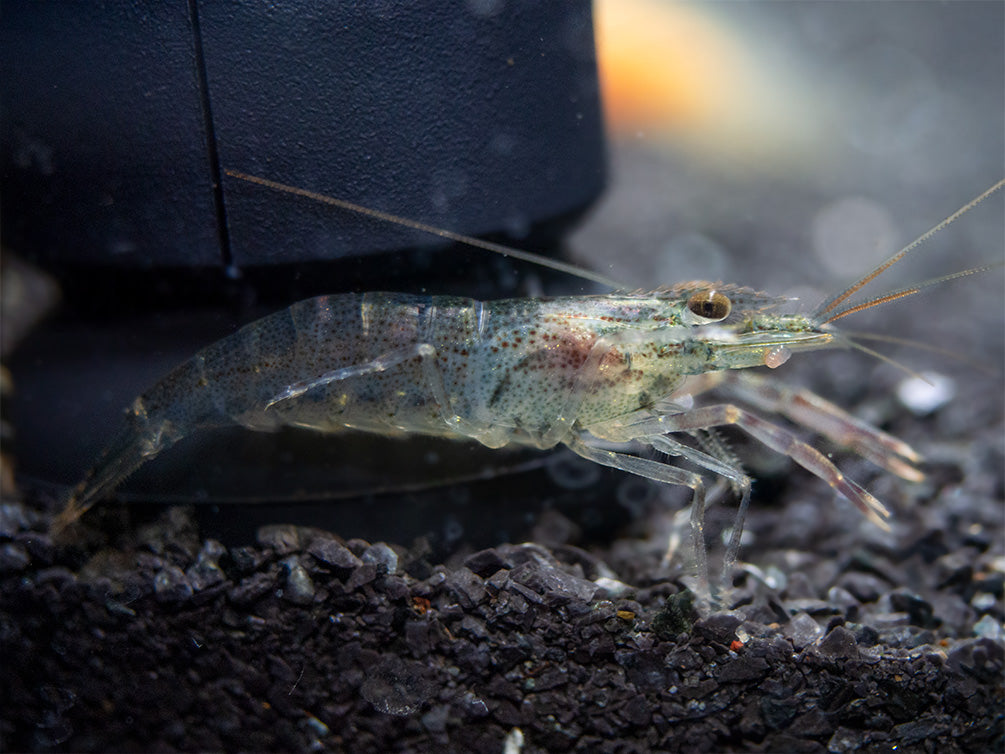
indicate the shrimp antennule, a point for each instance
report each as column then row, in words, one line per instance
column 836, row 300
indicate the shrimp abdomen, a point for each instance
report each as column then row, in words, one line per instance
column 237, row 380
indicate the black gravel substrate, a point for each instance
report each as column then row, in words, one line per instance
column 302, row 641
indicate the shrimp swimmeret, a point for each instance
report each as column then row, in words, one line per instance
column 589, row 372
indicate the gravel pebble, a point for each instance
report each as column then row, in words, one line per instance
column 334, row 554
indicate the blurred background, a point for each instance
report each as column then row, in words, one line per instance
column 838, row 131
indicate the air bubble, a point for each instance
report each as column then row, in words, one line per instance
column 634, row 493
column 572, row 472
column 848, row 234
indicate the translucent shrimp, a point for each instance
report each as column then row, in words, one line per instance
column 588, row 372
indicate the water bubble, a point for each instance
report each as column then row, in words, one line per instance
column 693, row 256
column 635, row 493
column 851, row 233
column 453, row 530
column 572, row 472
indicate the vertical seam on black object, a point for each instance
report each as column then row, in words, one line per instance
column 212, row 154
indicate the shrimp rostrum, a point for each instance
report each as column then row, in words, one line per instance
column 600, row 374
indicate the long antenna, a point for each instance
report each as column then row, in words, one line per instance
column 837, row 299
column 910, row 290
column 496, row 248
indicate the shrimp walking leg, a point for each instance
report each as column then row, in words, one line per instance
column 658, row 472
column 735, row 475
column 771, row 435
column 819, row 415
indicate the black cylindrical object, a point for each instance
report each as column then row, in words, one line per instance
column 480, row 117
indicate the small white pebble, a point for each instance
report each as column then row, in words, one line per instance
column 612, row 586
column 775, row 578
column 923, row 396
column 983, row 601
column 989, row 628
column 513, row 743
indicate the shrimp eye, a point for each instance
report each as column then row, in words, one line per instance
column 710, row 305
